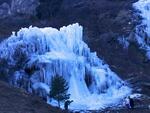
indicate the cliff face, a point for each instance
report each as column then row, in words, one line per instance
column 13, row 7
column 104, row 21
column 100, row 18
column 24, row 6
column 4, row 10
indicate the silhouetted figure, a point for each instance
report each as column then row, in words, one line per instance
column 129, row 102
column 67, row 103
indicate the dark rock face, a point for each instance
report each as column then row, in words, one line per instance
column 27, row 7
column 13, row 7
column 4, row 10
column 48, row 8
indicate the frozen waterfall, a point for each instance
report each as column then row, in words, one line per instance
column 44, row 52
column 143, row 30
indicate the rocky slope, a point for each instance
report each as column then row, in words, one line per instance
column 104, row 22
column 13, row 7
column 14, row 100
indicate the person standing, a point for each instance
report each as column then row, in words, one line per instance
column 129, row 102
column 67, row 103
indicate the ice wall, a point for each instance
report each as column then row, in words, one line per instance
column 142, row 34
column 45, row 52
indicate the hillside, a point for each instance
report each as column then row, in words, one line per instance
column 14, row 100
column 104, row 21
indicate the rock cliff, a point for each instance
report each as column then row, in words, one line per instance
column 21, row 7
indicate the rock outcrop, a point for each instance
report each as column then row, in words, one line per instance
column 4, row 10
column 27, row 7
column 18, row 7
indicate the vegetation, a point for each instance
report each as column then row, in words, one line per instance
column 59, row 88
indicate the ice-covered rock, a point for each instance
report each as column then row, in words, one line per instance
column 142, row 33
column 45, row 52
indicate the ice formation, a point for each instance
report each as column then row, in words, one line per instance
column 143, row 30
column 45, row 52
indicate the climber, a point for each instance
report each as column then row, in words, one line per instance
column 67, row 103
column 129, row 102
